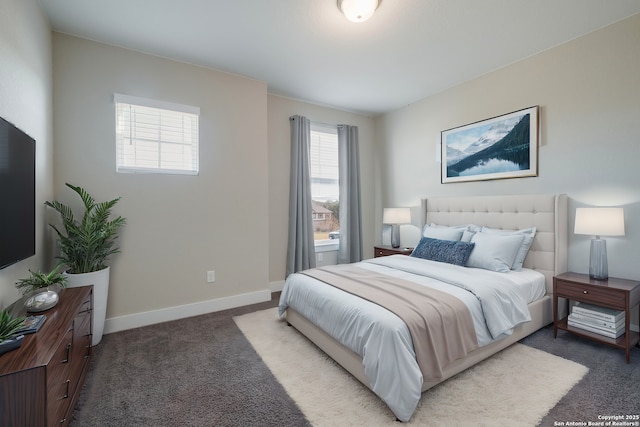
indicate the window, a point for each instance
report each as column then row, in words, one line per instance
column 155, row 136
column 325, row 190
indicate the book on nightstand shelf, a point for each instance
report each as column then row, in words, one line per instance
column 601, row 320
column 597, row 322
column 597, row 312
column 611, row 333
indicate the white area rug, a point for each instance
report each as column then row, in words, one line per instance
column 516, row 387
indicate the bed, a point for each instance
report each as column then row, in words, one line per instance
column 330, row 316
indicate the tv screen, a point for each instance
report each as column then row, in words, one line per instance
column 17, row 194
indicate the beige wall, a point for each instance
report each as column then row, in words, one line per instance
column 232, row 218
column 178, row 227
column 280, row 109
column 588, row 91
column 25, row 101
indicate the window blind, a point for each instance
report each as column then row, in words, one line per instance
column 156, row 136
column 323, row 152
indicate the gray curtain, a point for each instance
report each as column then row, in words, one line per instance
column 301, row 254
column 349, row 167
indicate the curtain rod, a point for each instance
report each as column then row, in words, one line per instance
column 322, row 123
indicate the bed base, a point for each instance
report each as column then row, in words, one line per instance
column 541, row 314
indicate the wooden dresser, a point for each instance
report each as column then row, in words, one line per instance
column 40, row 382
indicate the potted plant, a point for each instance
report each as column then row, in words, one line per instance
column 85, row 246
column 41, row 290
column 54, row 280
column 8, row 327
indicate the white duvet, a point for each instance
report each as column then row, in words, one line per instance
column 497, row 303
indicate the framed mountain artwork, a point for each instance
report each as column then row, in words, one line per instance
column 501, row 147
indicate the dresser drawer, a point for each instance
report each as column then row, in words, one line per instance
column 591, row 294
column 81, row 344
column 58, row 380
column 86, row 306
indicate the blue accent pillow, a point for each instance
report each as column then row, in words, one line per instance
column 448, row 251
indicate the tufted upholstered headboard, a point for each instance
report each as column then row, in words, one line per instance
column 548, row 213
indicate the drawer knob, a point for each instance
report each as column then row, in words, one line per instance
column 585, row 292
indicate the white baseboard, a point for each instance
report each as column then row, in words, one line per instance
column 122, row 323
column 276, row 286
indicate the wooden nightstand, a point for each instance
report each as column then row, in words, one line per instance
column 619, row 294
column 381, row 250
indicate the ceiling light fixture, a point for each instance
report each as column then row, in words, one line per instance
column 358, row 10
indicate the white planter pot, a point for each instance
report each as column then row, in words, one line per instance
column 100, row 281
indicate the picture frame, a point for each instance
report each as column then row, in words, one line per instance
column 501, row 147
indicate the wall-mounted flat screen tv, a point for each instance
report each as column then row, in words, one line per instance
column 17, row 194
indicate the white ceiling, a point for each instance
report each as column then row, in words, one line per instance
column 307, row 50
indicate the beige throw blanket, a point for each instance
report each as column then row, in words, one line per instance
column 440, row 324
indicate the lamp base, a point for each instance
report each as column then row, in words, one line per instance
column 395, row 236
column 598, row 265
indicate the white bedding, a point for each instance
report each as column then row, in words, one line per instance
column 378, row 335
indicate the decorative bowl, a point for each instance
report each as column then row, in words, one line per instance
column 41, row 301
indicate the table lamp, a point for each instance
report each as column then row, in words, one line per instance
column 395, row 217
column 599, row 222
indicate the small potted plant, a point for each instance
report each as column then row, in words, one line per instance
column 53, row 281
column 41, row 290
column 8, row 327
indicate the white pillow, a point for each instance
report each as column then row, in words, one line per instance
column 495, row 252
column 457, row 232
column 440, row 232
column 467, row 235
column 528, row 233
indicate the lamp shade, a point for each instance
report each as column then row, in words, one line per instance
column 600, row 221
column 396, row 216
column 358, row 10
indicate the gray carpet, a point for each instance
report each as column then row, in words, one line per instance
column 203, row 372
column 612, row 387
column 193, row 372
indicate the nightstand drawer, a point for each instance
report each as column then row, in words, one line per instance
column 592, row 294
column 379, row 251
column 385, row 252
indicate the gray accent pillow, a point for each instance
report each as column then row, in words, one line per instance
column 448, row 251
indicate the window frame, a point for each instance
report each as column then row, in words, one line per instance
column 189, row 112
column 326, row 245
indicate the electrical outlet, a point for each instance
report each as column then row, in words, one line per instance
column 211, row 276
